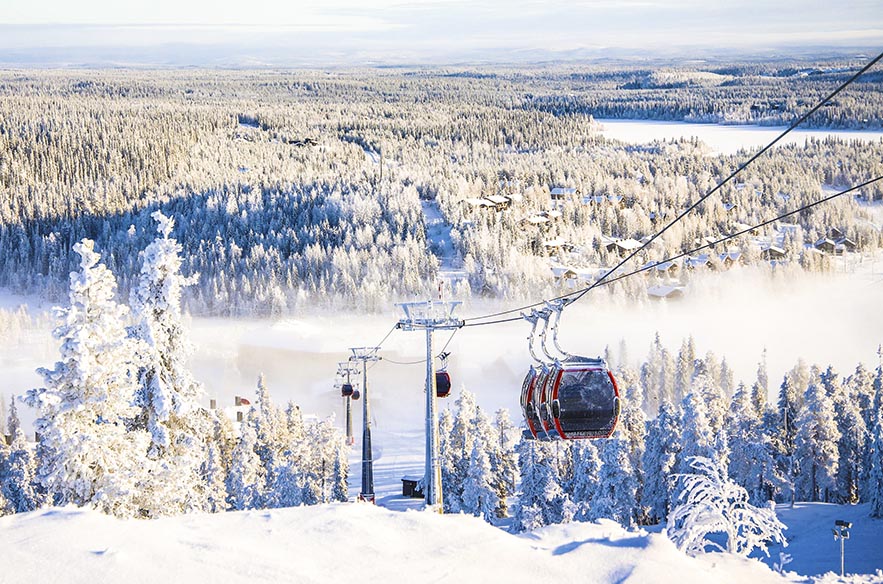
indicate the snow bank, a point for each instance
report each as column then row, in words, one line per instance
column 347, row 542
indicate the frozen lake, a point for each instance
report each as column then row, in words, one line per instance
column 720, row 138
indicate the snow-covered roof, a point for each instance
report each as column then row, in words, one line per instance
column 665, row 291
column 663, row 267
column 628, row 244
column 497, row 199
column 537, row 219
column 697, row 261
column 563, row 271
column 730, row 255
column 561, row 191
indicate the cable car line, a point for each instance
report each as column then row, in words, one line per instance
column 440, row 353
column 701, row 199
column 567, row 396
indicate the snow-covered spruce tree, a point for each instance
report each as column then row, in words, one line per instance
column 760, row 388
column 504, row 461
column 245, row 478
column 5, row 507
column 685, row 368
column 271, row 432
column 752, row 463
column 816, row 453
column 448, row 461
column 875, row 474
column 634, row 427
column 479, row 495
column 716, row 405
column 586, row 473
column 340, row 473
column 541, row 501
column 711, row 503
column 18, row 469
column 861, row 385
column 852, row 444
column 214, row 476
column 325, row 447
column 168, row 395
column 287, row 489
column 460, row 443
column 698, row 438
column 663, row 447
column 87, row 455
column 617, row 486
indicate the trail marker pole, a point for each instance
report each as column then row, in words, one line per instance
column 841, row 532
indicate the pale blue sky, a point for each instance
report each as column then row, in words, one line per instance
column 380, row 28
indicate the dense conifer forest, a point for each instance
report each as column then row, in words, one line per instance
column 295, row 187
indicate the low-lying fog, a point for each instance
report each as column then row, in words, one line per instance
column 826, row 319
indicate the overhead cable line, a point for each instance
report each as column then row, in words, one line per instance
column 739, row 233
column 604, row 278
column 440, row 353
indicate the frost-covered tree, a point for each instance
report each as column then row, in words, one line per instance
column 727, row 383
column 214, row 476
column 752, row 463
column 87, row 455
column 479, row 495
column 271, row 437
column 852, row 444
column 616, row 497
column 760, row 389
column 586, row 474
column 686, row 367
column 448, row 465
column 340, row 473
column 663, row 447
column 18, row 468
column 816, row 452
column 634, row 428
column 168, row 395
column 711, row 503
column 875, row 475
column 245, row 479
column 289, row 483
column 541, row 500
column 504, row 461
column 698, row 438
column 469, row 427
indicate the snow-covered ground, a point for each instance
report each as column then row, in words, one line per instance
column 365, row 543
column 343, row 543
column 811, row 543
column 722, row 139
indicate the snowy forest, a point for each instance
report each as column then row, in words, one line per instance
column 305, row 188
column 121, row 427
column 136, row 199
